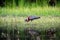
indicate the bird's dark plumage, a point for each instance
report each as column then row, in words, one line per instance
column 30, row 18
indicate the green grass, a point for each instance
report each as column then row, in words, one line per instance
column 52, row 15
column 11, row 18
column 42, row 24
column 26, row 11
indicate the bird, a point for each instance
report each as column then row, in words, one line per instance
column 31, row 18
